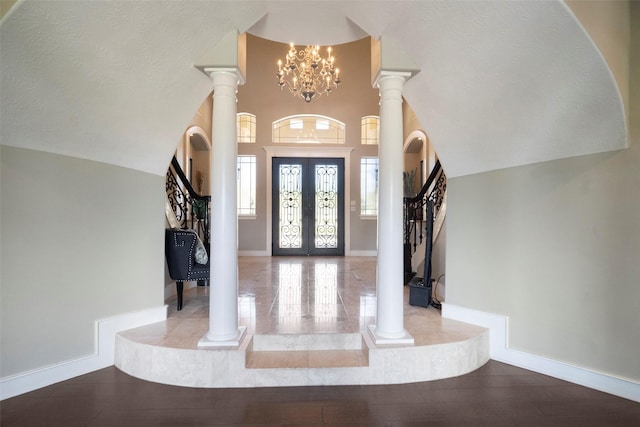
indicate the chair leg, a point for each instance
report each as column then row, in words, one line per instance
column 179, row 287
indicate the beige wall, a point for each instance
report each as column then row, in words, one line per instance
column 607, row 23
column 81, row 241
column 202, row 157
column 261, row 96
column 5, row 6
column 555, row 247
column 412, row 160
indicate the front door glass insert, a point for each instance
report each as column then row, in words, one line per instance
column 326, row 214
column 290, row 206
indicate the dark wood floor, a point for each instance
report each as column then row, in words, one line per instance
column 495, row 395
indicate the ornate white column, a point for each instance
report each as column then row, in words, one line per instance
column 389, row 328
column 223, row 290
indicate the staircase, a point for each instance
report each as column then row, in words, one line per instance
column 416, row 221
column 191, row 209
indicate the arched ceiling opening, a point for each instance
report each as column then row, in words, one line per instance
column 414, row 145
column 198, row 142
column 501, row 84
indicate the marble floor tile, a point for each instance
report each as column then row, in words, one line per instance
column 300, row 295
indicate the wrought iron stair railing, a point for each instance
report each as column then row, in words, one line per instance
column 191, row 209
column 415, row 212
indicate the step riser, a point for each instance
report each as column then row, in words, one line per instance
column 319, row 359
column 227, row 368
column 307, row 342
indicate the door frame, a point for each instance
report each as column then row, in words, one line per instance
column 311, row 152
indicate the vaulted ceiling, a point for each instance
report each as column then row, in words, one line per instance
column 501, row 84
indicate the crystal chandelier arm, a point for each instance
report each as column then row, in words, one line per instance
column 301, row 55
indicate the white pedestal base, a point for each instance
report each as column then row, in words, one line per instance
column 233, row 342
column 406, row 339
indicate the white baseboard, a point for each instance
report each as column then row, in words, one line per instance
column 362, row 253
column 499, row 350
column 170, row 290
column 105, row 333
column 266, row 253
column 253, row 253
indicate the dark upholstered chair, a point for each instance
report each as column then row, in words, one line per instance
column 180, row 250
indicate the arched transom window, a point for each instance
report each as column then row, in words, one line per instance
column 308, row 128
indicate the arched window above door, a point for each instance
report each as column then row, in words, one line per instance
column 309, row 129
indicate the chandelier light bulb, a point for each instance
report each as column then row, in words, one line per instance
column 306, row 73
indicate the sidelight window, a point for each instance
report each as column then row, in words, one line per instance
column 369, row 186
column 246, row 186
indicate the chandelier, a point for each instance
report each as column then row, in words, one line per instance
column 306, row 74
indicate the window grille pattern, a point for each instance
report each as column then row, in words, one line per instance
column 326, row 177
column 290, row 206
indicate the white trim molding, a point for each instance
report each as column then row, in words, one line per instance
column 171, row 291
column 499, row 350
column 102, row 357
column 416, row 134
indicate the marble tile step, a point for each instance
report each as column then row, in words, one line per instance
column 306, row 342
column 302, row 359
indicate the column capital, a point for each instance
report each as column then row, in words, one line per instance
column 387, row 75
column 231, row 71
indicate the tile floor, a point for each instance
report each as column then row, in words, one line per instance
column 309, row 295
column 310, row 313
column 297, row 295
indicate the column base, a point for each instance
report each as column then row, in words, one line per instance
column 405, row 339
column 205, row 341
